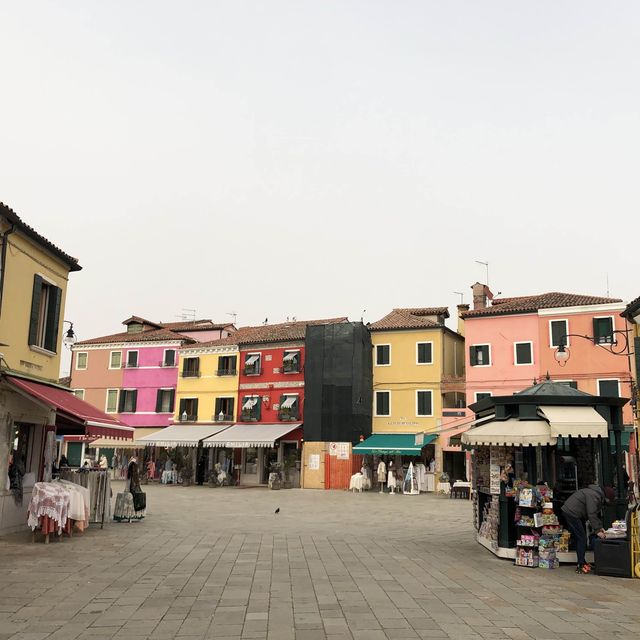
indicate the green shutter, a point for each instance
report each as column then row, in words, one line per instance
column 172, row 400
column 218, row 408
column 158, row 400
column 134, row 400
column 636, row 351
column 473, row 358
column 195, row 406
column 35, row 310
column 257, row 409
column 123, row 395
column 53, row 319
column 197, row 369
column 233, row 360
column 181, row 407
column 231, row 407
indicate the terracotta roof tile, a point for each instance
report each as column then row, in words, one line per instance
column 530, row 304
column 409, row 319
column 196, row 325
column 153, row 335
column 14, row 218
column 631, row 309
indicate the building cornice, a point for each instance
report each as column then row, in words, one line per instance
column 125, row 345
column 588, row 308
column 190, row 352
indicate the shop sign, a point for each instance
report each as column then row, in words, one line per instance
column 339, row 449
column 314, row 462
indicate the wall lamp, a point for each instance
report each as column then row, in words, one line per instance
column 562, row 353
column 70, row 337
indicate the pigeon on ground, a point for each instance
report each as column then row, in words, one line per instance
column 277, row 510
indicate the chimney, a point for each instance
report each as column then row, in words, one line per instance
column 480, row 295
column 461, row 309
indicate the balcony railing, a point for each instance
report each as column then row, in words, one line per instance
column 189, row 374
column 222, row 417
column 291, row 367
column 252, row 371
column 227, row 372
column 249, row 417
column 131, row 365
column 187, row 418
column 286, row 416
column 162, row 363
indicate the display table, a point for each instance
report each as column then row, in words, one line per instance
column 49, row 509
column 169, row 477
column 444, row 487
column 461, row 489
column 359, row 482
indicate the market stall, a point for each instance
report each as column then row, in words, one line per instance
column 530, row 452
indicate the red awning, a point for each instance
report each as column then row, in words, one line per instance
column 97, row 424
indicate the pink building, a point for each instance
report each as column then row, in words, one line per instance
column 134, row 374
column 513, row 342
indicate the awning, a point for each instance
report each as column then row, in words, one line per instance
column 251, row 360
column 140, row 432
column 289, row 401
column 403, row 444
column 96, row 423
column 243, row 435
column 182, row 435
column 290, row 356
column 577, row 422
column 249, row 403
column 512, row 432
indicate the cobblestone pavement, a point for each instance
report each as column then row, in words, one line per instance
column 218, row 563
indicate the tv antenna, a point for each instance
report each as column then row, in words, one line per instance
column 459, row 293
column 486, row 265
column 233, row 314
column 187, row 314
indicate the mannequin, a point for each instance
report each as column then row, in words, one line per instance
column 382, row 474
column 391, row 479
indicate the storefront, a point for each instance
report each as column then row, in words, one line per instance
column 530, row 452
column 258, row 449
column 397, row 451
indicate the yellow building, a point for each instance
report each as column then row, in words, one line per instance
column 632, row 315
column 418, row 374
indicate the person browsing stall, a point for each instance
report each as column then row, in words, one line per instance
column 582, row 506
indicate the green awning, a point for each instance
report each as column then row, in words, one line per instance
column 625, row 437
column 403, row 444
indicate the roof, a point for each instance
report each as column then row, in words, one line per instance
column 15, row 219
column 140, row 320
column 549, row 388
column 530, row 304
column 197, row 325
column 631, row 309
column 283, row 332
column 153, row 335
column 410, row 318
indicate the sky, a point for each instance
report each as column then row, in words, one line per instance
column 321, row 159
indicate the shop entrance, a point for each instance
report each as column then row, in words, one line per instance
column 454, row 465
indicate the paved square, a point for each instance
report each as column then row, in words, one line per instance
column 218, row 563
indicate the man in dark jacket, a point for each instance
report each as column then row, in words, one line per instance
column 585, row 504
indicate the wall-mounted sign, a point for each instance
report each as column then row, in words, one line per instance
column 314, row 462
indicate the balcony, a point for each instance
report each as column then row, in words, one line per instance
column 162, row 363
column 287, row 416
column 252, row 371
column 189, row 374
column 187, row 418
column 290, row 367
column 131, row 365
column 249, row 417
column 228, row 372
column 222, row 417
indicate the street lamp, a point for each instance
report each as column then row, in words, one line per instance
column 562, row 353
column 70, row 337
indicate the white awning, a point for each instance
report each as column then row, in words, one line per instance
column 510, row 432
column 136, row 443
column 290, row 356
column 251, row 360
column 182, row 435
column 577, row 422
column 249, row 403
column 289, row 402
column 241, row 436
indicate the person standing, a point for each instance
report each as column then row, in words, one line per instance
column 582, row 506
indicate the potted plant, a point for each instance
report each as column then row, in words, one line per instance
column 186, row 473
column 275, row 475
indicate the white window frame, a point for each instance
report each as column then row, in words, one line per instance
column 475, row 394
column 175, row 357
column 257, row 362
column 599, row 380
column 86, row 362
column 174, row 399
column 383, row 344
column 111, row 358
column 566, row 332
column 613, row 328
column 137, row 352
column 424, row 364
column 75, row 393
column 515, row 354
column 482, row 344
column 375, row 403
column 423, row 415
column 106, row 400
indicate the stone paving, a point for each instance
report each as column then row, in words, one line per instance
column 219, row 563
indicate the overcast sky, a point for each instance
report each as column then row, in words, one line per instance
column 316, row 159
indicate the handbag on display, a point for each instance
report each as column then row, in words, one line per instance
column 139, row 500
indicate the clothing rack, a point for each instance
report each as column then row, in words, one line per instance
column 99, row 485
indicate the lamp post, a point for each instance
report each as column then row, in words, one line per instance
column 70, row 337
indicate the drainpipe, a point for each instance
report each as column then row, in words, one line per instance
column 3, row 260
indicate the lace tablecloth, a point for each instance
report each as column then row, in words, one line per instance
column 49, row 499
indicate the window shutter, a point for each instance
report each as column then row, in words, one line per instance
column 181, row 407
column 230, row 406
column 170, row 357
column 53, row 320
column 233, row 362
column 636, row 351
column 473, row 358
column 218, row 403
column 195, row 407
column 197, row 365
column 596, row 329
column 257, row 409
column 220, row 363
column 123, row 396
column 158, row 400
column 35, row 309
column 172, row 399
column 134, row 400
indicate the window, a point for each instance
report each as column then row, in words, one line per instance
column 383, row 403
column 251, row 408
column 291, row 362
column 523, row 352
column 570, row 383
column 424, row 403
column 132, row 359
column 128, row 401
column 224, row 409
column 558, row 330
column 191, row 368
column 603, row 330
column 81, row 360
column 227, row 365
column 115, row 360
column 251, row 461
column 480, row 355
column 481, row 395
column 135, row 327
column 169, row 358
column 288, row 408
column 383, row 355
column 45, row 315
column 188, row 410
column 425, row 352
column 252, row 364
column 112, row 401
column 165, row 400
column 79, row 393
column 609, row 388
